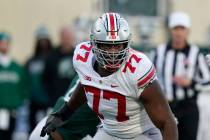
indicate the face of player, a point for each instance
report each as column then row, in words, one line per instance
column 4, row 46
column 179, row 36
column 112, row 55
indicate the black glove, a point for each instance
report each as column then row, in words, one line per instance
column 53, row 122
column 56, row 120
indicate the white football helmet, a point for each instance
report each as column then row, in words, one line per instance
column 112, row 30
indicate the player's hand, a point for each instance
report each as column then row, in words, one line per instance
column 53, row 122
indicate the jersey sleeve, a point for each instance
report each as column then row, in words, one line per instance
column 81, row 55
column 76, row 53
column 144, row 75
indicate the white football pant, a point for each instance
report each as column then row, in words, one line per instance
column 151, row 134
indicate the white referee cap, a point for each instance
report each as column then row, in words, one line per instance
column 179, row 19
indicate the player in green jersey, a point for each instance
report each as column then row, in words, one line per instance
column 84, row 116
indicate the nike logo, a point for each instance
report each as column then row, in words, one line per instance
column 113, row 86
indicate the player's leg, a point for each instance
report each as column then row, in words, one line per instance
column 102, row 135
column 35, row 135
column 188, row 125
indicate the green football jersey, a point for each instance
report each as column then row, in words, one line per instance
column 14, row 87
column 83, row 122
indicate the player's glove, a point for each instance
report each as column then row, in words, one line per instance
column 53, row 122
column 56, row 120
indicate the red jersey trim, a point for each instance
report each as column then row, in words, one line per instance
column 147, row 78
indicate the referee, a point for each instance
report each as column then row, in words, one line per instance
column 180, row 67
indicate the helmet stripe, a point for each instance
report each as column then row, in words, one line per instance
column 112, row 25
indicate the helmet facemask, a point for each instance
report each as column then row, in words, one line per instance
column 109, row 59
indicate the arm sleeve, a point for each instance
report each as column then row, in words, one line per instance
column 203, row 72
column 60, row 102
column 72, row 87
column 145, row 75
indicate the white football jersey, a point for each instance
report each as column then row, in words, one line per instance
column 115, row 98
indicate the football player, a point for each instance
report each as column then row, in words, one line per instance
column 120, row 86
column 84, row 122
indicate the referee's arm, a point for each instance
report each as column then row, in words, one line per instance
column 153, row 56
column 204, row 73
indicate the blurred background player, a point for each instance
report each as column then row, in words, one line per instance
column 35, row 68
column 14, row 89
column 180, row 67
column 59, row 71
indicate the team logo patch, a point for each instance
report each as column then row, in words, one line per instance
column 87, row 78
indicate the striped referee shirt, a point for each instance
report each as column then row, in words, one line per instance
column 188, row 62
